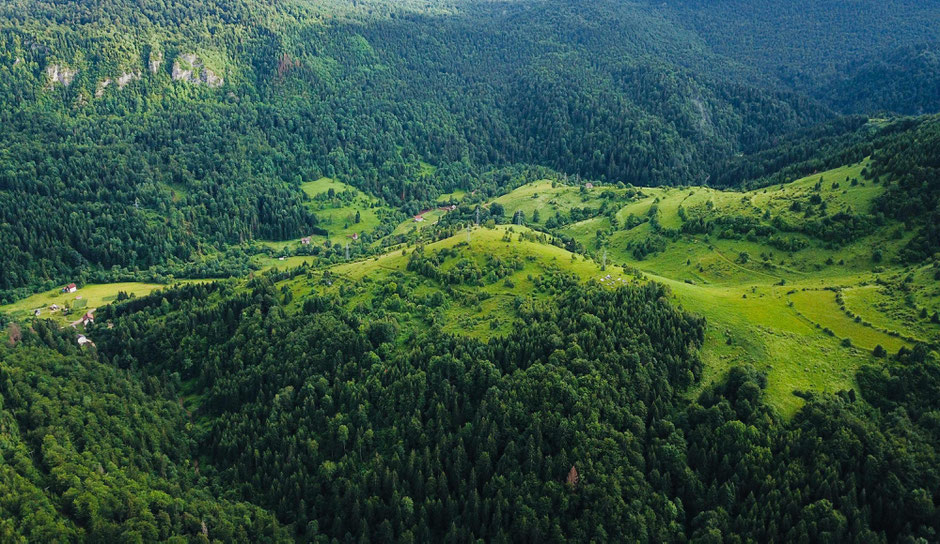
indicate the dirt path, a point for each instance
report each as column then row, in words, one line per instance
column 78, row 322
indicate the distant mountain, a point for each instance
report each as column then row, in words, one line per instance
column 906, row 80
column 859, row 56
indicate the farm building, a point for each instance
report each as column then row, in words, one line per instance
column 70, row 288
column 88, row 318
column 82, row 340
column 305, row 241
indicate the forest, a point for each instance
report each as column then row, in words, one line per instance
column 322, row 425
column 469, row 271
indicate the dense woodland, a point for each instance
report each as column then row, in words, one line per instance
column 858, row 57
column 319, row 424
column 231, row 411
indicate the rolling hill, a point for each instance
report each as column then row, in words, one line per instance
column 469, row 271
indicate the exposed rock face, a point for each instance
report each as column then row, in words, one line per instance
column 156, row 59
column 122, row 82
column 127, row 77
column 102, row 85
column 17, row 61
column 190, row 68
column 60, row 74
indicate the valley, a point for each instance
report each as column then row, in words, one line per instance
column 809, row 318
column 352, row 271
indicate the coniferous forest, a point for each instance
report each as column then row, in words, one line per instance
column 469, row 271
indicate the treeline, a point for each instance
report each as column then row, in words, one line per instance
column 911, row 163
column 846, row 140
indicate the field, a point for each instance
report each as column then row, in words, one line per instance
column 548, row 198
column 809, row 316
column 335, row 205
column 479, row 310
column 86, row 298
column 777, row 310
column 337, row 214
column 410, row 226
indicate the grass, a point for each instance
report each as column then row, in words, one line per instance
column 542, row 196
column 338, row 215
column 409, row 225
column 742, row 286
column 751, row 325
column 477, row 311
column 821, row 308
column 455, row 196
column 776, row 310
column 91, row 296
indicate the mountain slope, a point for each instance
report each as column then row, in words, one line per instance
column 860, row 57
column 168, row 133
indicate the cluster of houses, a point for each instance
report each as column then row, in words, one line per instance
column 87, row 319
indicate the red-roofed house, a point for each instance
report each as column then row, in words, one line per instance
column 70, row 288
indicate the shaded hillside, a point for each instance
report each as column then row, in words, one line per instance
column 860, row 57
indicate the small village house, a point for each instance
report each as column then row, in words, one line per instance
column 70, row 288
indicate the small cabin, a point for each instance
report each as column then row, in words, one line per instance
column 82, row 340
column 305, row 241
column 70, row 288
column 88, row 318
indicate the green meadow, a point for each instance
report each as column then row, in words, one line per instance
column 337, row 214
column 774, row 309
column 86, row 298
column 809, row 316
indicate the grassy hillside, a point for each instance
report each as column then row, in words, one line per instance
column 71, row 306
column 337, row 213
column 482, row 279
column 810, row 314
